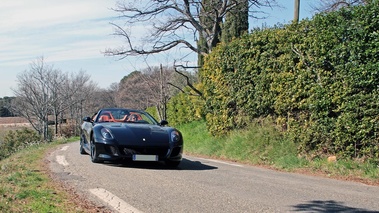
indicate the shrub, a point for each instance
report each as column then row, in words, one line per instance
column 17, row 140
column 184, row 107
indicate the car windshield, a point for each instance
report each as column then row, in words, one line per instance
column 125, row 116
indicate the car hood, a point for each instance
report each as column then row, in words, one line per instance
column 139, row 134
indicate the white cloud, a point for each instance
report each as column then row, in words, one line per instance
column 29, row 14
column 70, row 33
column 66, row 29
column 60, row 30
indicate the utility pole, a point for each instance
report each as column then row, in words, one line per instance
column 296, row 13
column 162, row 106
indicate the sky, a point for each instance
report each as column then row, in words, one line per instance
column 72, row 35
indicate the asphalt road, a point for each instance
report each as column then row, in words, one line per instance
column 206, row 185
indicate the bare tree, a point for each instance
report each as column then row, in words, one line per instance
column 333, row 5
column 33, row 96
column 44, row 91
column 171, row 20
column 84, row 102
column 56, row 78
column 71, row 92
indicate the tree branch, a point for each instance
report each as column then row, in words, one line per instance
column 169, row 18
column 188, row 81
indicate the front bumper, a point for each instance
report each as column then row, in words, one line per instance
column 109, row 152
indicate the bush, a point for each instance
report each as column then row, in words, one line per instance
column 153, row 112
column 69, row 130
column 184, row 108
column 17, row 140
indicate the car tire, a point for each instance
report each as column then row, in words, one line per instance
column 82, row 151
column 94, row 155
column 172, row 164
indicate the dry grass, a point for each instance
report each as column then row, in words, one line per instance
column 12, row 120
column 11, row 123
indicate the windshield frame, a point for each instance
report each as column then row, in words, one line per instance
column 120, row 115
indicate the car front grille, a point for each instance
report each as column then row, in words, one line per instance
column 129, row 151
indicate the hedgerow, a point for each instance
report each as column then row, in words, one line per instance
column 319, row 79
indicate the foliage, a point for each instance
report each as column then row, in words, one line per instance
column 236, row 22
column 333, row 5
column 237, row 79
column 153, row 112
column 184, row 108
column 5, row 103
column 17, row 140
column 318, row 79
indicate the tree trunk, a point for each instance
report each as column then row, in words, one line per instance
column 297, row 11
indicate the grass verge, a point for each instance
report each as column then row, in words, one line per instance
column 25, row 185
column 262, row 145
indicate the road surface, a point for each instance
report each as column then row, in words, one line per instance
column 205, row 185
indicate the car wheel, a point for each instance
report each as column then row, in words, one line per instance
column 94, row 155
column 172, row 164
column 82, row 151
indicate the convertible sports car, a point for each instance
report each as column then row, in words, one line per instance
column 120, row 134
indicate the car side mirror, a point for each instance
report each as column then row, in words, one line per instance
column 163, row 123
column 87, row 119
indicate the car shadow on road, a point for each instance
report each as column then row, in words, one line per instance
column 328, row 206
column 184, row 165
column 194, row 165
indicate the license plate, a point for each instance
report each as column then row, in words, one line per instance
column 145, row 157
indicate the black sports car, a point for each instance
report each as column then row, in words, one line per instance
column 118, row 134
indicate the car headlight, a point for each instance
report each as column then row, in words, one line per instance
column 175, row 136
column 106, row 133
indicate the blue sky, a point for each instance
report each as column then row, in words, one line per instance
column 72, row 34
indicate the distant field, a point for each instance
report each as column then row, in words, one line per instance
column 13, row 121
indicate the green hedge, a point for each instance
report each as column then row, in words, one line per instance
column 318, row 78
column 184, row 108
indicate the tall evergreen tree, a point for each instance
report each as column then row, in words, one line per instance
column 208, row 15
column 236, row 21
